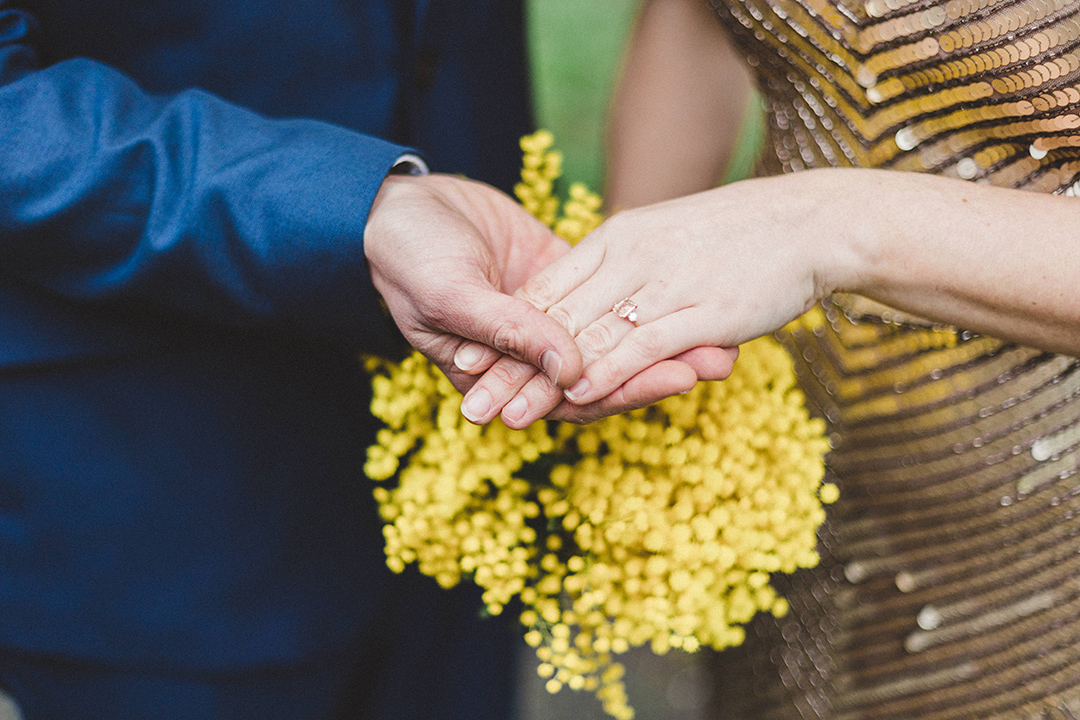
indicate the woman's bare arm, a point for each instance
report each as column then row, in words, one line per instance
column 727, row 265
column 678, row 107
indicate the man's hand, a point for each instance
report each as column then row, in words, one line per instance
column 447, row 254
column 522, row 396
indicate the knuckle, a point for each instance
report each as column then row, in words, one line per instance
column 540, row 408
column 539, row 291
column 508, row 371
column 605, row 374
column 544, row 392
column 559, row 314
column 509, row 338
column 649, row 342
column 595, row 340
column 540, row 386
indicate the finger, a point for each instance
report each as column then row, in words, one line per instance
column 496, row 388
column 642, row 347
column 605, row 294
column 602, row 336
column 562, row 276
column 473, row 358
column 710, row 363
column 532, row 400
column 659, row 381
column 458, row 379
column 509, row 388
column 521, row 404
column 514, row 327
column 605, row 315
column 588, row 281
column 537, row 398
column 439, row 350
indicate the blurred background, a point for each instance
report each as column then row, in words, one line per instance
column 575, row 48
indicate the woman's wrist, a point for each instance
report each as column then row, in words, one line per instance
column 844, row 233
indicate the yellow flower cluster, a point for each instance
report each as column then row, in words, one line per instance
column 541, row 166
column 659, row 526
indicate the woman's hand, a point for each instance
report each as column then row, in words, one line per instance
column 714, row 269
column 722, row 267
column 446, row 253
column 706, row 272
column 728, row 265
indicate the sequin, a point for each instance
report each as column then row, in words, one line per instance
column 967, row 169
column 928, row 618
column 947, row 586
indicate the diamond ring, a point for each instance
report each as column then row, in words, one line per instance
column 626, row 309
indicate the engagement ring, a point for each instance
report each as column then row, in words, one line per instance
column 626, row 309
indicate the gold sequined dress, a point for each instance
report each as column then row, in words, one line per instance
column 950, row 578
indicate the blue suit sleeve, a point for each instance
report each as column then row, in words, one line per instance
column 184, row 204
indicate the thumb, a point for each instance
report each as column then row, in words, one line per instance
column 515, row 327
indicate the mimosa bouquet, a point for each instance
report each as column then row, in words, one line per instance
column 660, row 526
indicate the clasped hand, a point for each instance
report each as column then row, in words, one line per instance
column 448, row 256
column 524, row 326
column 704, row 275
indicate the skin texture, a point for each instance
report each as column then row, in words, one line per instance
column 656, row 89
column 722, row 266
column 446, row 254
column 700, row 90
column 728, row 265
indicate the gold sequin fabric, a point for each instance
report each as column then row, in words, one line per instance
column 950, row 578
column 983, row 90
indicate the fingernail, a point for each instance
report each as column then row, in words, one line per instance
column 476, row 405
column 515, row 409
column 467, row 357
column 576, row 391
column 551, row 364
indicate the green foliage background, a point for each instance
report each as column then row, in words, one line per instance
column 576, row 47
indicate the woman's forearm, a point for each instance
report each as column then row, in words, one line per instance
column 678, row 107
column 722, row 267
column 1001, row 262
column 725, row 266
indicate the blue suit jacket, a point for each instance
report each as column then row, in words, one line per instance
column 183, row 192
